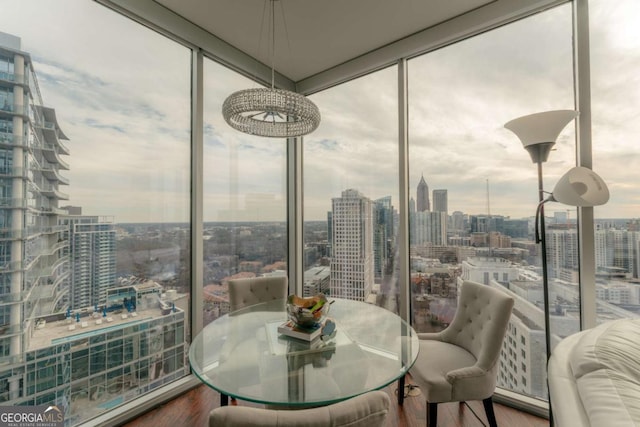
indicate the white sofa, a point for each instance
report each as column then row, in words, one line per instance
column 594, row 376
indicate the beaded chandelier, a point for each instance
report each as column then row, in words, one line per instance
column 271, row 112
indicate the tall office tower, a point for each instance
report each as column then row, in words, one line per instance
column 422, row 196
column 562, row 253
column 90, row 238
column 352, row 256
column 621, row 252
column 457, row 221
column 486, row 224
column 383, row 234
column 428, row 228
column 329, row 232
column 440, row 201
column 516, row 228
column 601, row 249
column 412, row 205
column 33, row 267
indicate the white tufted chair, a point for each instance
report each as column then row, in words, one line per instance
column 245, row 292
column 366, row 410
column 460, row 363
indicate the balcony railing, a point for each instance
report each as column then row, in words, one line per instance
column 52, row 174
column 52, row 210
column 52, row 191
column 51, row 153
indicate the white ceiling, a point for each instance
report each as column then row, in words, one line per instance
column 316, row 35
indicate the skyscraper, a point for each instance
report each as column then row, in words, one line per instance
column 34, row 269
column 440, row 201
column 428, row 227
column 382, row 234
column 92, row 252
column 422, row 196
column 352, row 259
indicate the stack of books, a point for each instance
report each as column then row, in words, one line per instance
column 290, row 329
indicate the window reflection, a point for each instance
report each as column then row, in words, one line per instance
column 245, row 230
column 94, row 208
column 351, row 192
column 473, row 187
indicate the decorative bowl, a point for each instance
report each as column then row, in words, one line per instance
column 307, row 312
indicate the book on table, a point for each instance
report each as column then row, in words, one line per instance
column 289, row 329
column 281, row 344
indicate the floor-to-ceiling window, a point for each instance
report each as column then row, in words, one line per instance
column 473, row 187
column 95, row 214
column 351, row 192
column 245, row 198
column 120, row 93
column 615, row 95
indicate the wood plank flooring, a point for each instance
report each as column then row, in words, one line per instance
column 192, row 410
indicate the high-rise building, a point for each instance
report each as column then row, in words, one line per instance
column 329, row 232
column 422, row 196
column 428, row 228
column 457, row 221
column 440, row 201
column 44, row 344
column 92, row 252
column 382, row 234
column 352, row 258
column 132, row 344
column 562, row 252
column 34, row 268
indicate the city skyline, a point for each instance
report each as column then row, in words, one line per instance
column 121, row 93
column 91, row 77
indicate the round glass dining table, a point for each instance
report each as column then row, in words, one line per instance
column 242, row 355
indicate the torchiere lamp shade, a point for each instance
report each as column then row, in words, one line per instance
column 581, row 186
column 538, row 132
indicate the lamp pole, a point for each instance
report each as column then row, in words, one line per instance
column 545, row 273
column 538, row 133
column 545, row 279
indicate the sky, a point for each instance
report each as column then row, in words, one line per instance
column 121, row 94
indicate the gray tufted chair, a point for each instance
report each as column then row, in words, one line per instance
column 460, row 363
column 366, row 410
column 245, row 292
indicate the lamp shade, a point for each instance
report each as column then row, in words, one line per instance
column 538, row 132
column 581, row 186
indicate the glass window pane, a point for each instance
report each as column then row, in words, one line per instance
column 95, row 186
column 615, row 39
column 351, row 192
column 245, row 197
column 474, row 188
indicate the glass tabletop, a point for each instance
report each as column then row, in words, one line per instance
column 242, row 355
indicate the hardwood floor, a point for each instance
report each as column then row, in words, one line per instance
column 192, row 410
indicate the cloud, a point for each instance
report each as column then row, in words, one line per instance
column 121, row 94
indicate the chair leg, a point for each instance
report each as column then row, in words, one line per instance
column 488, row 409
column 432, row 414
column 401, row 390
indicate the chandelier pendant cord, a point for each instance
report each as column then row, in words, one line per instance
column 273, row 44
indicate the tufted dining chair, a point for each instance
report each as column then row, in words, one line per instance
column 460, row 363
column 245, row 292
column 366, row 410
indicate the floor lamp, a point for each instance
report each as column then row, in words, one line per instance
column 580, row 186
